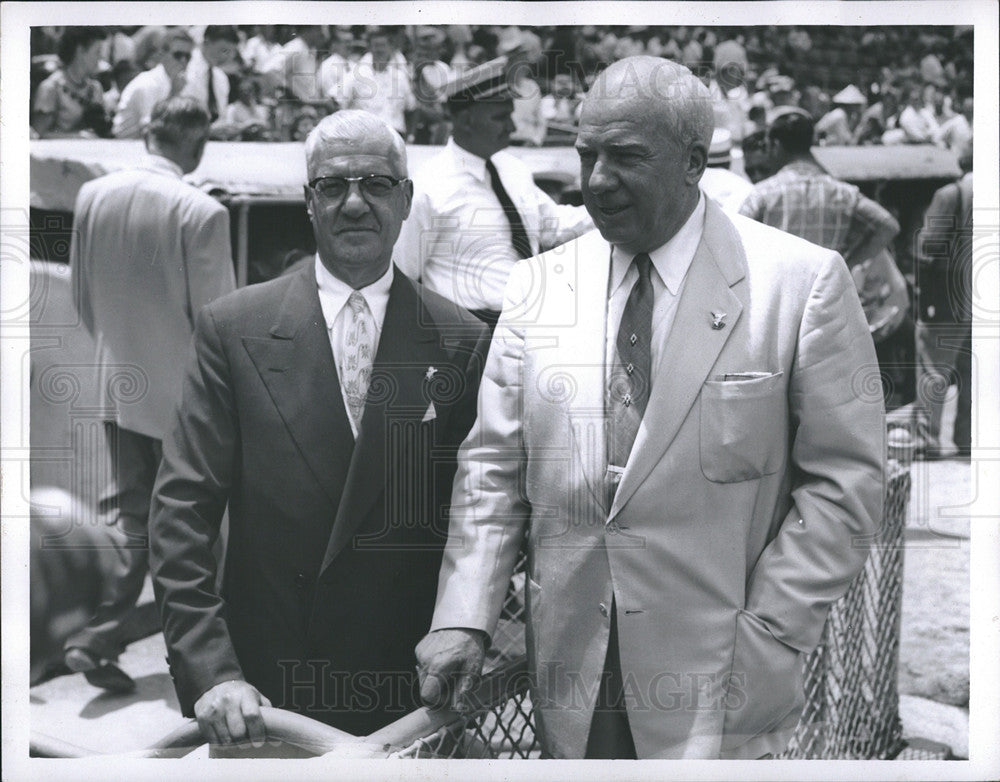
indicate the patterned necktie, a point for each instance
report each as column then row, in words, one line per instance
column 518, row 236
column 358, row 353
column 631, row 376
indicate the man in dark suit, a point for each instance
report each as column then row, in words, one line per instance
column 326, row 408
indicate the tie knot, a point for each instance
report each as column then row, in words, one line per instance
column 643, row 265
column 356, row 301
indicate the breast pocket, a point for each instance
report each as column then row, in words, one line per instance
column 744, row 426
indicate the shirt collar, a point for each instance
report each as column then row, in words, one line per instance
column 163, row 165
column 803, row 165
column 159, row 73
column 472, row 164
column 671, row 260
column 334, row 292
column 198, row 63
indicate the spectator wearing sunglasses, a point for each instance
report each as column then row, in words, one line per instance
column 158, row 83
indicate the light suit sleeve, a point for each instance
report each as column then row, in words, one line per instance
column 489, row 510
column 414, row 236
column 837, row 465
column 208, row 256
column 79, row 255
column 560, row 223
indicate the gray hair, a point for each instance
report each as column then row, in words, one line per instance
column 686, row 102
column 350, row 127
column 178, row 120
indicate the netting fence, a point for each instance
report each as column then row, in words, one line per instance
column 852, row 700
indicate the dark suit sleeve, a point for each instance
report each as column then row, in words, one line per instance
column 940, row 227
column 192, row 487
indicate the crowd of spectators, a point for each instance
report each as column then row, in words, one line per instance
column 866, row 85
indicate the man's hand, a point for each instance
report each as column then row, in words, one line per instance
column 229, row 713
column 449, row 663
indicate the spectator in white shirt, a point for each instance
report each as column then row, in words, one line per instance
column 150, row 87
column 429, row 77
column 334, row 69
column 916, row 126
column 295, row 68
column 245, row 118
column 207, row 82
column 259, row 50
column 380, row 83
column 956, row 133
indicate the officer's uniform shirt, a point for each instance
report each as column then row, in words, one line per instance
column 457, row 240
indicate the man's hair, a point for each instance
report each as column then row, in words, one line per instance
column 221, row 32
column 794, row 131
column 175, row 34
column 351, row 126
column 457, row 105
column 380, row 32
column 74, row 38
column 689, row 117
column 177, row 121
column 755, row 142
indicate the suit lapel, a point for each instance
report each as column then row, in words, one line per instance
column 692, row 346
column 582, row 350
column 296, row 366
column 406, row 349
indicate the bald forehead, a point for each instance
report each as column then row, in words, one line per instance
column 326, row 148
column 625, row 102
column 355, row 134
column 640, row 79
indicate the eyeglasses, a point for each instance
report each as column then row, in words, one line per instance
column 336, row 188
column 181, row 56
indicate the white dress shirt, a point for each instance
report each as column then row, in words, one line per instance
column 258, row 51
column 671, row 262
column 197, row 83
column 137, row 101
column 457, row 239
column 387, row 94
column 295, row 68
column 333, row 295
column 332, row 76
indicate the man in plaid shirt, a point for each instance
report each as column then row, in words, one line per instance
column 804, row 200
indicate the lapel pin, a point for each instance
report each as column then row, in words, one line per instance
column 718, row 320
column 431, row 371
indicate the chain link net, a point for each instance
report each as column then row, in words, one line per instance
column 852, row 701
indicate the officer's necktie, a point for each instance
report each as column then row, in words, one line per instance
column 518, row 236
column 213, row 109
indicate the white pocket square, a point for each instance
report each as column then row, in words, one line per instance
column 430, row 415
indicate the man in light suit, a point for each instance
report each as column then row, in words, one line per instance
column 326, row 408
column 680, row 412
column 148, row 252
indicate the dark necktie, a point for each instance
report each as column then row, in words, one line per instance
column 632, row 373
column 518, row 236
column 212, row 106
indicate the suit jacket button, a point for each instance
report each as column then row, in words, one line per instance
column 603, row 609
column 301, row 582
